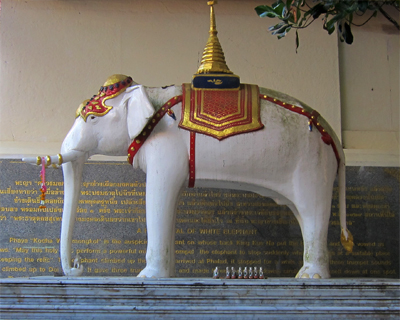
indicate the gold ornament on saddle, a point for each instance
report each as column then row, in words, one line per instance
column 213, row 72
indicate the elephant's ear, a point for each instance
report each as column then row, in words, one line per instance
column 139, row 110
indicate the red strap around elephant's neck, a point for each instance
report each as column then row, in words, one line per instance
column 147, row 130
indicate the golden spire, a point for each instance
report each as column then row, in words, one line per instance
column 213, row 60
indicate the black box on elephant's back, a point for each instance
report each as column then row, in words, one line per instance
column 214, row 227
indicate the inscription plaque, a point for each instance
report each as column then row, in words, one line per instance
column 215, row 227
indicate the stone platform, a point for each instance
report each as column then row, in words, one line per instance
column 198, row 298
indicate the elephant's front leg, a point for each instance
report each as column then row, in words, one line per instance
column 163, row 187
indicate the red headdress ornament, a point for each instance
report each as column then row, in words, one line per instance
column 114, row 86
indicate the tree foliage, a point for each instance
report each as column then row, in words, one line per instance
column 299, row 14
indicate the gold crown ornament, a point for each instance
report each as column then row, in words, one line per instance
column 213, row 72
column 114, row 86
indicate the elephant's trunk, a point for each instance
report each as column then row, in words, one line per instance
column 72, row 172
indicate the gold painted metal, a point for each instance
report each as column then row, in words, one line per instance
column 206, row 126
column 78, row 111
column 48, row 161
column 213, row 59
column 115, row 78
column 60, row 159
column 38, row 161
column 347, row 243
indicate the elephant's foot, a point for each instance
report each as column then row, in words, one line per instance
column 149, row 272
column 313, row 272
column 74, row 272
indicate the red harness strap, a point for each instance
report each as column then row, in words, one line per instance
column 192, row 157
column 148, row 129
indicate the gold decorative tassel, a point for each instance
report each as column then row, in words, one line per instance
column 348, row 243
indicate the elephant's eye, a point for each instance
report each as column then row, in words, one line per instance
column 92, row 117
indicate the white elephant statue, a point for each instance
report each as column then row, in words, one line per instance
column 284, row 161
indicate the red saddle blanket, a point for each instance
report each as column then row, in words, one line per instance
column 221, row 113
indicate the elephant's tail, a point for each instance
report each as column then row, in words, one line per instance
column 346, row 237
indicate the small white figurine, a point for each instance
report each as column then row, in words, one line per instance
column 251, row 273
column 240, row 276
column 228, row 274
column 77, row 261
column 261, row 274
column 216, row 273
column 233, row 273
column 255, row 274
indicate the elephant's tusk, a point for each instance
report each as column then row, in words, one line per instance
column 56, row 160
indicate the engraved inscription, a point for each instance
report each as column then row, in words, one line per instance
column 215, row 227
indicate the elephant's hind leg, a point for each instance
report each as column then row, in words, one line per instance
column 315, row 250
column 315, row 255
column 313, row 215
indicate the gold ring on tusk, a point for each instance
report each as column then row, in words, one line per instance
column 38, row 161
column 48, row 161
column 60, row 159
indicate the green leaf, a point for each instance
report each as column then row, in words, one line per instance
column 298, row 14
column 280, row 30
column 317, row 10
column 265, row 11
column 279, row 9
column 282, row 34
column 330, row 25
column 276, row 27
column 289, row 4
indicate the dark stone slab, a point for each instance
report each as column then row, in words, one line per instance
column 198, row 298
column 215, row 227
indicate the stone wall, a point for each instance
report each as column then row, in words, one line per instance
column 215, row 227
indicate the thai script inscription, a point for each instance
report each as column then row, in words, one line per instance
column 215, row 227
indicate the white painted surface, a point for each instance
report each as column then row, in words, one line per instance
column 284, row 161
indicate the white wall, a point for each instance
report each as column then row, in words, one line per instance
column 54, row 54
column 369, row 75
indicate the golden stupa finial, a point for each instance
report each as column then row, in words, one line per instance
column 213, row 59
